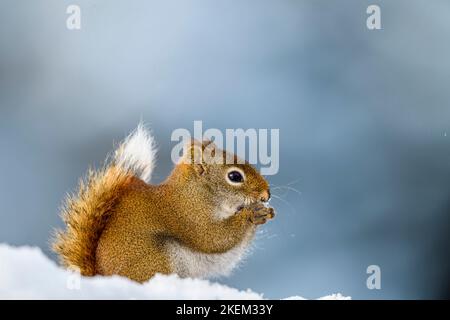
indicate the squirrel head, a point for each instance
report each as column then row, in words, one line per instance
column 232, row 182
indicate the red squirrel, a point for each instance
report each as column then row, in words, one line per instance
column 199, row 222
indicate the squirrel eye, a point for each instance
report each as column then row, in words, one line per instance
column 235, row 176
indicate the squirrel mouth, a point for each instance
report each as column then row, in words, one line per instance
column 248, row 201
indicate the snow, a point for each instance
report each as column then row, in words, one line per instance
column 334, row 296
column 26, row 273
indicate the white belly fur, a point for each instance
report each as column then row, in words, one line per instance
column 188, row 263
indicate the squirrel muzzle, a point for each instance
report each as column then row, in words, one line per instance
column 265, row 195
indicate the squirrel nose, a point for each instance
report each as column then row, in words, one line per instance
column 265, row 196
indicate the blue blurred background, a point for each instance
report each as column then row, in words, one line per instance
column 364, row 121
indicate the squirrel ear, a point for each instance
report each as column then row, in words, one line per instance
column 193, row 151
column 199, row 168
column 209, row 151
column 193, row 155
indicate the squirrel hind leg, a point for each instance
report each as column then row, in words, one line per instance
column 138, row 263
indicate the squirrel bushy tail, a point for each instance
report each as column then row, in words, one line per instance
column 86, row 212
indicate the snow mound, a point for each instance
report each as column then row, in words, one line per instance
column 334, row 296
column 26, row 273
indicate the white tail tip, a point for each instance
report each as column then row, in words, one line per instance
column 137, row 153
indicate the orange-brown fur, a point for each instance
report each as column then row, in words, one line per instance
column 86, row 214
column 118, row 224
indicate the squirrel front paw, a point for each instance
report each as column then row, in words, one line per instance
column 259, row 214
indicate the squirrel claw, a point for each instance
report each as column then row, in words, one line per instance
column 261, row 214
